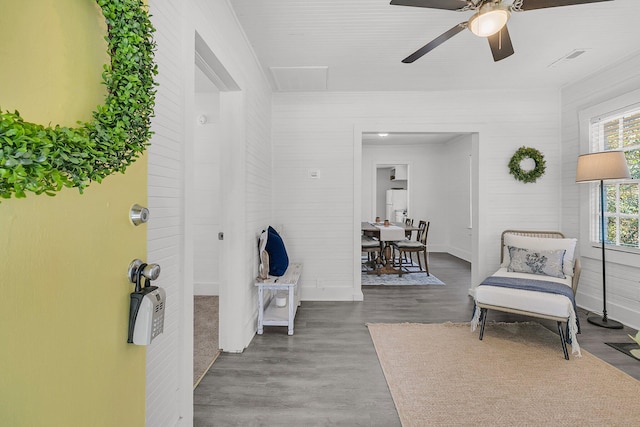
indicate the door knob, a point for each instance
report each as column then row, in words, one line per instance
column 139, row 269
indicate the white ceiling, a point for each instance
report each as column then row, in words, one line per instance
column 362, row 42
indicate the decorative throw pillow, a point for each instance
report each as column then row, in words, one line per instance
column 263, row 269
column 542, row 244
column 264, row 265
column 278, row 259
column 547, row 263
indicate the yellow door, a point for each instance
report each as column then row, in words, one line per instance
column 64, row 292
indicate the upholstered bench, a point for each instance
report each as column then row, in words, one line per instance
column 538, row 277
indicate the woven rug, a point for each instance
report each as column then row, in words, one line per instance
column 443, row 375
column 412, row 278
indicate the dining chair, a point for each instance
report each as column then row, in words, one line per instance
column 408, row 222
column 408, row 234
column 372, row 247
column 418, row 246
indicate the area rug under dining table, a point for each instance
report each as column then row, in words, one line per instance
column 443, row 375
column 413, row 277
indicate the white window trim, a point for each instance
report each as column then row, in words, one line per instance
column 615, row 254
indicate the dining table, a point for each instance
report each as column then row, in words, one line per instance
column 386, row 232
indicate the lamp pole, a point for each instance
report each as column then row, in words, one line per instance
column 596, row 320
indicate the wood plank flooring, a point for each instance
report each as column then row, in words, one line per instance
column 328, row 374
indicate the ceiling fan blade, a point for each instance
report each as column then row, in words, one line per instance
column 541, row 4
column 435, row 43
column 500, row 44
column 433, row 4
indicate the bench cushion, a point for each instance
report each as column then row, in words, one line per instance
column 530, row 301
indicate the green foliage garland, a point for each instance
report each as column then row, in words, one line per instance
column 43, row 159
column 527, row 153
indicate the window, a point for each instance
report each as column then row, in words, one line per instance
column 618, row 130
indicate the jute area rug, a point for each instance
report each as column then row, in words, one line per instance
column 205, row 335
column 443, row 375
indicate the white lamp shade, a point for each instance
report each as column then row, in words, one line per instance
column 602, row 166
column 488, row 22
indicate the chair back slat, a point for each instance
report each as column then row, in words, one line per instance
column 408, row 222
column 423, row 231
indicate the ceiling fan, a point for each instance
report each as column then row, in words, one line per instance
column 489, row 20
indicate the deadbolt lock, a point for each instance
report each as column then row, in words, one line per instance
column 138, row 214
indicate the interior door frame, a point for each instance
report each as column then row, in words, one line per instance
column 231, row 252
column 374, row 184
column 230, row 110
column 392, row 126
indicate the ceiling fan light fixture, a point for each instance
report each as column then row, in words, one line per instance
column 489, row 20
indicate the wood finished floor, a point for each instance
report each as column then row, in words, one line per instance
column 328, row 374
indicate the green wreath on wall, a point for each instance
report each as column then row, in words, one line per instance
column 44, row 159
column 529, row 175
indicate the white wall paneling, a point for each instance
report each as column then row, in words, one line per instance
column 623, row 289
column 324, row 131
column 455, row 198
column 245, row 134
column 207, row 195
column 165, row 227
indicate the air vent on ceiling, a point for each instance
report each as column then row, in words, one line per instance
column 568, row 57
column 299, row 79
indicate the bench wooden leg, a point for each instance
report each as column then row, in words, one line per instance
column 483, row 319
column 564, row 343
column 260, row 310
column 292, row 308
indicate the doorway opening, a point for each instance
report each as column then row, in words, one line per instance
column 441, row 184
column 206, row 222
column 391, row 195
column 206, row 198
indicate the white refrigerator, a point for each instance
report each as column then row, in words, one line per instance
column 396, row 207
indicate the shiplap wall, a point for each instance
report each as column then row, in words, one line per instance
column 165, row 230
column 319, row 130
column 623, row 287
column 169, row 395
column 438, row 188
column 456, row 188
column 206, row 215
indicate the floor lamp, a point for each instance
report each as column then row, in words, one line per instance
column 599, row 167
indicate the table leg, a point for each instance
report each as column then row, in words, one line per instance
column 387, row 268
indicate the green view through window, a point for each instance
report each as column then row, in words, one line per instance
column 619, row 130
